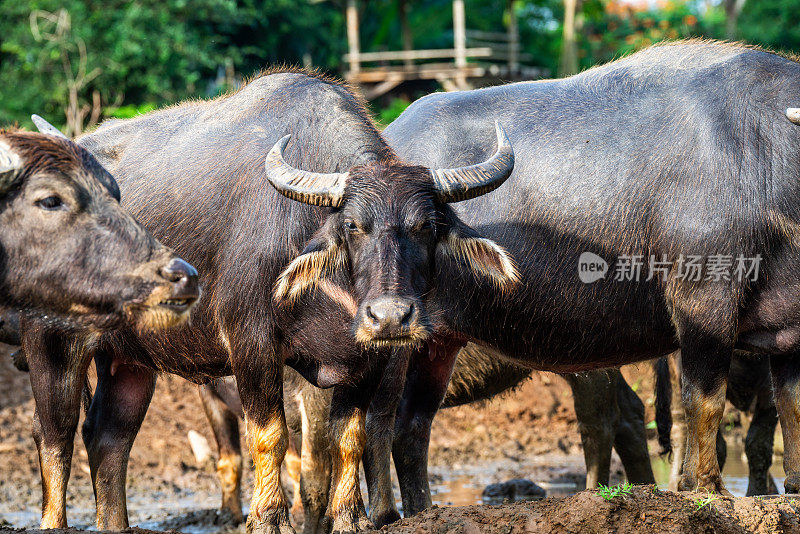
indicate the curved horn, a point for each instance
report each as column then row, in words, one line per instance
column 10, row 165
column 464, row 183
column 315, row 188
column 45, row 127
column 793, row 114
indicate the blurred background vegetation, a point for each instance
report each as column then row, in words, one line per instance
column 80, row 61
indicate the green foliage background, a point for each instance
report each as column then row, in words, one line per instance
column 148, row 53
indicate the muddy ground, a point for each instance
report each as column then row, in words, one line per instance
column 530, row 433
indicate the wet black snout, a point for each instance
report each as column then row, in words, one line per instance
column 389, row 316
column 184, row 279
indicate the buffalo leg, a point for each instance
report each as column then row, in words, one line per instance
column 225, row 425
column 678, row 434
column 425, row 388
column 57, row 372
column 705, row 363
column 116, row 413
column 630, row 440
column 259, row 376
column 785, row 372
column 348, row 439
column 595, row 399
column 380, row 434
column 293, row 469
column 758, row 445
column 315, row 457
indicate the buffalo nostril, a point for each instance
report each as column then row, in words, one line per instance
column 389, row 315
column 409, row 313
column 178, row 270
column 184, row 279
column 374, row 317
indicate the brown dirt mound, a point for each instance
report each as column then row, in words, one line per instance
column 644, row 510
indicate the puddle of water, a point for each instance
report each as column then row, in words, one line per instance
column 734, row 474
column 464, row 486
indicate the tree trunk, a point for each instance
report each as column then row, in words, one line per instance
column 569, row 51
column 732, row 10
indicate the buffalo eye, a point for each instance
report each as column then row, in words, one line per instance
column 50, row 203
column 350, row 226
column 424, row 227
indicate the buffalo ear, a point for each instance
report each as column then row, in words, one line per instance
column 319, row 257
column 483, row 256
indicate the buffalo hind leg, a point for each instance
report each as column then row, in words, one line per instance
column 630, row 440
column 116, row 413
column 57, row 373
column 678, row 433
column 785, row 372
column 705, row 363
column 425, row 388
column 380, row 435
column 595, row 398
column 225, row 425
column 293, row 469
column 315, row 457
column 758, row 445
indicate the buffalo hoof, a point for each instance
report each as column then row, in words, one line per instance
column 712, row 485
column 273, row 522
column 761, row 486
column 706, row 484
column 385, row 517
column 349, row 521
column 792, row 484
column 229, row 518
column 687, row 483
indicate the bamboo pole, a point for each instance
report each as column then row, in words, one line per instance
column 513, row 39
column 460, row 42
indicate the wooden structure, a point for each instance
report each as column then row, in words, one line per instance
column 476, row 57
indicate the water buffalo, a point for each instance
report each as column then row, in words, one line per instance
column 74, row 263
column 272, row 191
column 71, row 256
column 684, row 154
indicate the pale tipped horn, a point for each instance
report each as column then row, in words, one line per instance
column 319, row 189
column 45, row 127
column 10, row 165
column 464, row 183
column 793, row 114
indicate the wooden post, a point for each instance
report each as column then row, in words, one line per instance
column 352, row 38
column 513, row 39
column 460, row 42
column 408, row 40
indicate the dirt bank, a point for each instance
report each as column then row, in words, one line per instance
column 644, row 510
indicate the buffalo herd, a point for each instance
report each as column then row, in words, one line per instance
column 353, row 281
